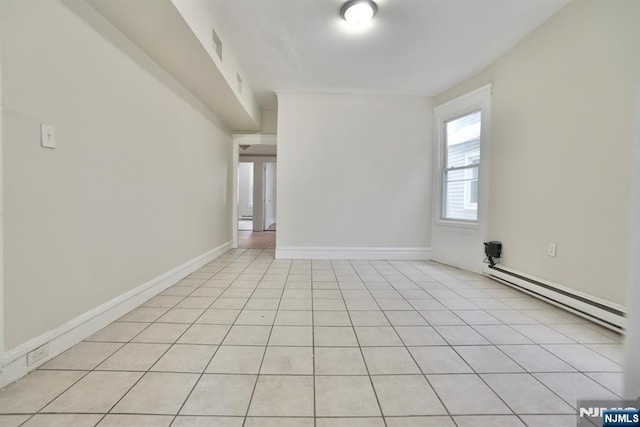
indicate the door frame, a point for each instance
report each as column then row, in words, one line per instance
column 238, row 140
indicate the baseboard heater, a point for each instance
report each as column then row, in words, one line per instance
column 605, row 313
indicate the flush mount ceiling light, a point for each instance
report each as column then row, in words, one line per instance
column 358, row 12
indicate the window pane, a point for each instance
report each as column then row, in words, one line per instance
column 461, row 194
column 463, row 141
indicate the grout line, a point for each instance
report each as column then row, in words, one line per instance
column 266, row 346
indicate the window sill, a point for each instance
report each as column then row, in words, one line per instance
column 457, row 224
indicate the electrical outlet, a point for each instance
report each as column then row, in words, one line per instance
column 37, row 354
column 47, row 136
column 552, row 249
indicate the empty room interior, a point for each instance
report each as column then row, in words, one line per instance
column 287, row 213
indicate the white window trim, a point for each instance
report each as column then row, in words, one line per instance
column 479, row 99
column 467, row 185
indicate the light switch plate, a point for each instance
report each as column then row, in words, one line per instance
column 48, row 136
column 551, row 251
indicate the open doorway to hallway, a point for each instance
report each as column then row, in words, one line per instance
column 256, row 195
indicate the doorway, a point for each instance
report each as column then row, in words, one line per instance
column 245, row 196
column 270, row 173
column 255, row 191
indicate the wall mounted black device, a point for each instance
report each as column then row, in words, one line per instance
column 492, row 249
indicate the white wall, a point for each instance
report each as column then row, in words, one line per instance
column 353, row 171
column 245, row 187
column 561, row 137
column 139, row 183
column 632, row 341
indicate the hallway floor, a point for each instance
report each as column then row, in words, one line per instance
column 252, row 341
column 256, row 239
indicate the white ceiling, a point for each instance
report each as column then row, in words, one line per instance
column 413, row 47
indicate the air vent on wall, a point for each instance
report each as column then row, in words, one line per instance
column 217, row 44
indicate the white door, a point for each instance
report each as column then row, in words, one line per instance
column 270, row 172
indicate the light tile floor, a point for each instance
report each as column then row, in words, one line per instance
column 252, row 341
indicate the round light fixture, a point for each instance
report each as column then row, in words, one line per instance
column 358, row 12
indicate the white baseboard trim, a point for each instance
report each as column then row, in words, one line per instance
column 60, row 339
column 598, row 310
column 324, row 252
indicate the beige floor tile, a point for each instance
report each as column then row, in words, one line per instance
column 361, row 304
column 248, row 335
column 405, row 318
column 291, row 336
column 267, row 304
column 574, row 386
column 328, row 304
column 163, row 301
column 181, row 315
column 204, row 334
column 83, row 356
column 389, row 360
column 118, row 332
column 396, row 304
column 144, row 314
column 288, row 361
column 467, row 394
column 236, row 360
column 226, row 395
column 502, row 334
column 406, row 395
column 185, row 358
column 583, row 358
column 542, row 334
column 339, row 361
column 279, row 422
column 550, row 420
column 345, row 396
column 432, row 421
column 34, row 391
column 186, row 421
column 351, row 422
column 218, row 317
column 157, row 393
column 13, row 420
column 196, row 302
column 229, row 303
column 63, row 420
column 488, row 421
column 134, row 357
column 294, row 318
column 419, row 335
column 377, row 336
column 487, row 359
column 256, row 317
column 426, row 304
column 331, row 318
column 119, row 420
column 439, row 360
column 369, row 318
column 334, row 336
column 534, row 358
column 295, row 304
column 95, row 393
column 441, row 318
column 283, row 396
column 460, row 335
column 161, row 333
column 613, row 381
column 525, row 395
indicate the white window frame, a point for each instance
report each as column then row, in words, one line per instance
column 468, row 174
column 479, row 99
